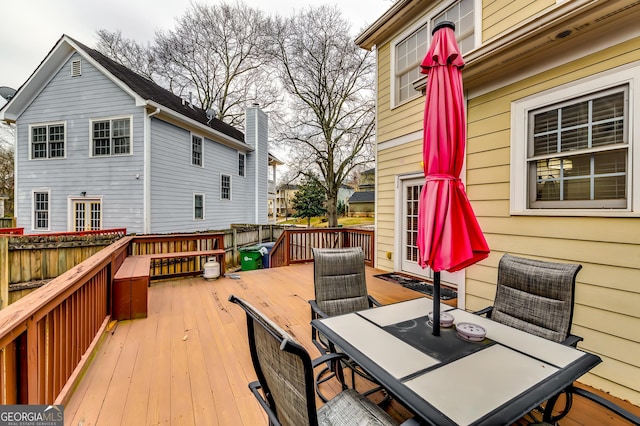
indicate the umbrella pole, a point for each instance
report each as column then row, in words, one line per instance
column 436, row 303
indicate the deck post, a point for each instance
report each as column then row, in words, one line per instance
column 4, row 272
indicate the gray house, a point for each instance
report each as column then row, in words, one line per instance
column 99, row 146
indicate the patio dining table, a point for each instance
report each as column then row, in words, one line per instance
column 449, row 380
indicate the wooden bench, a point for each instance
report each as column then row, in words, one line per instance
column 130, row 284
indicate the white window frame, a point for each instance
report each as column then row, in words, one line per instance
column 33, row 209
column 194, row 136
column 426, row 21
column 519, row 192
column 88, row 201
column 198, row 194
column 111, row 142
column 48, row 142
column 222, row 175
column 244, row 164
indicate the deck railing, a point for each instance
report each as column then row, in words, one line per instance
column 176, row 243
column 294, row 245
column 45, row 337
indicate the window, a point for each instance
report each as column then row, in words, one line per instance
column 574, row 143
column 241, row 161
column 410, row 50
column 47, row 140
column 111, row 137
column 87, row 214
column 41, row 210
column 196, row 150
column 225, row 187
column 198, row 206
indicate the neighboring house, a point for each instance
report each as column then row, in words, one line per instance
column 284, row 199
column 271, row 184
column 99, row 146
column 363, row 201
column 344, row 193
column 3, row 198
column 553, row 154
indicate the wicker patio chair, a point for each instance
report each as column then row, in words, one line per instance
column 537, row 297
column 340, row 288
column 285, row 388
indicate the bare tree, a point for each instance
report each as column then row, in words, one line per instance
column 216, row 55
column 219, row 52
column 7, row 148
column 129, row 53
column 330, row 87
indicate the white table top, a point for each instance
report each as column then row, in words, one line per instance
column 465, row 389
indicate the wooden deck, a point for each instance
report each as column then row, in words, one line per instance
column 188, row 362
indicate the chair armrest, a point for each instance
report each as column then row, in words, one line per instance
column 316, row 312
column 373, row 302
column 630, row 417
column 327, row 358
column 485, row 311
column 255, row 390
column 572, row 340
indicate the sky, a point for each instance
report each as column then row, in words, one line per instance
column 30, row 28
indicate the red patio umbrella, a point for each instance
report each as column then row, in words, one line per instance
column 449, row 237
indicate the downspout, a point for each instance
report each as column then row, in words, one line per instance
column 147, row 173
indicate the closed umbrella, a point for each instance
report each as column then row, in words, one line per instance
column 449, row 237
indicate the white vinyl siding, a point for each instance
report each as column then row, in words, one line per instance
column 48, row 140
column 575, row 147
column 111, row 136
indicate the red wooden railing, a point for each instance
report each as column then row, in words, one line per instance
column 45, row 337
column 11, row 231
column 294, row 245
column 20, row 231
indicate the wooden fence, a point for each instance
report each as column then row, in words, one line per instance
column 7, row 222
column 29, row 261
column 294, row 245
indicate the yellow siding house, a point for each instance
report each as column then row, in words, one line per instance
column 553, row 155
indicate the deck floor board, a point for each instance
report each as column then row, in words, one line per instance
column 188, row 362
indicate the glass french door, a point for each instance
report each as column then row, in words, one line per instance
column 409, row 245
column 87, row 215
column 410, row 196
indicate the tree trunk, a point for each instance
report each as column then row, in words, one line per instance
column 332, row 211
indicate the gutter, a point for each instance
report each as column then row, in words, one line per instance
column 217, row 135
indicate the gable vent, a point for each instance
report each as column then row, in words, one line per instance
column 76, row 69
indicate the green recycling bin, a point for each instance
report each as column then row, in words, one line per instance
column 250, row 258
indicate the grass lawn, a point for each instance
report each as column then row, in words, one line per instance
column 316, row 222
